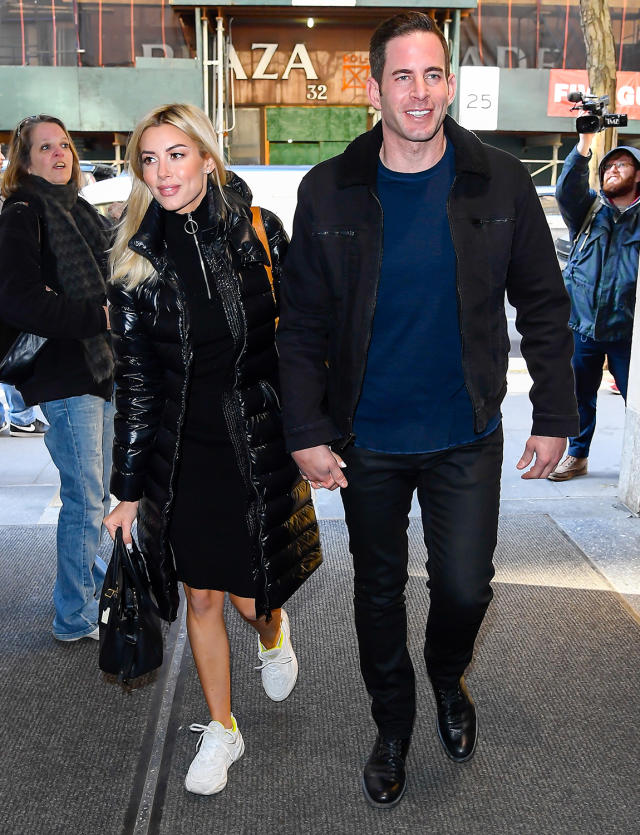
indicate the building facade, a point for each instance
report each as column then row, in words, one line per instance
column 284, row 83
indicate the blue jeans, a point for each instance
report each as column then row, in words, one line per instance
column 588, row 359
column 18, row 412
column 79, row 440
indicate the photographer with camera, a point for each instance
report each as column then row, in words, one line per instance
column 600, row 275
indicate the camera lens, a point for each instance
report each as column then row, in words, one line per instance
column 588, row 124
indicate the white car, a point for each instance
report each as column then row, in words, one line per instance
column 547, row 195
column 105, row 193
column 559, row 231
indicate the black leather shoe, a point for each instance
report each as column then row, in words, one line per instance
column 457, row 723
column 384, row 779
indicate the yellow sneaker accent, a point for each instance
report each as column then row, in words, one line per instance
column 277, row 646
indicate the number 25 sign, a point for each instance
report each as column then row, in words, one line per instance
column 478, row 97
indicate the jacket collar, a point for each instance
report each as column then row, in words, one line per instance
column 616, row 211
column 359, row 162
column 234, row 224
column 149, row 239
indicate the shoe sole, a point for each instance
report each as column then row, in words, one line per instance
column 450, row 755
column 27, row 434
column 378, row 805
column 567, row 477
column 81, row 638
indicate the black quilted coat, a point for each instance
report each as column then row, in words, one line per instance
column 154, row 353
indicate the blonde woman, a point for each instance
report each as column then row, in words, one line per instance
column 198, row 455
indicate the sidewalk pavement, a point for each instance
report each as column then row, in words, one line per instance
column 586, row 509
column 118, row 754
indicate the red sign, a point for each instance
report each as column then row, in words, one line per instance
column 563, row 82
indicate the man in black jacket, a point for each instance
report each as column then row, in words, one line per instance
column 394, row 350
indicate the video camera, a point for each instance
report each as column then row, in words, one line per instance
column 598, row 117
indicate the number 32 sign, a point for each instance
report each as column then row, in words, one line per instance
column 478, row 97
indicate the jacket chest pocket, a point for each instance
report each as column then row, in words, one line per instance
column 339, row 252
column 486, row 242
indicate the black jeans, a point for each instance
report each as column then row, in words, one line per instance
column 459, row 495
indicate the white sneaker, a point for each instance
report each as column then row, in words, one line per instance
column 94, row 635
column 218, row 747
column 279, row 668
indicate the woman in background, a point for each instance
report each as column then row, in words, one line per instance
column 199, row 457
column 53, row 271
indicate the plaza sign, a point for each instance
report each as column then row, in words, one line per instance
column 326, row 65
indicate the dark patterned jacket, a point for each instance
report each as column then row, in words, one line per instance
column 154, row 355
column 28, row 266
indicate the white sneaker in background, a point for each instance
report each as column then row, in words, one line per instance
column 94, row 635
column 218, row 747
column 279, row 668
column 36, row 429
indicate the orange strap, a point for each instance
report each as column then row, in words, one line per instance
column 258, row 225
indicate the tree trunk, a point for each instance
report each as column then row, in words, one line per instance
column 595, row 21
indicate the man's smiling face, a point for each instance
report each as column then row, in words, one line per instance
column 414, row 93
column 620, row 180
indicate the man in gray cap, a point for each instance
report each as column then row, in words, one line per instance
column 601, row 276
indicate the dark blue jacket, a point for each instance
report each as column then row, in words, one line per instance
column 602, row 270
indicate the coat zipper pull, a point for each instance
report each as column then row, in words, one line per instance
column 191, row 227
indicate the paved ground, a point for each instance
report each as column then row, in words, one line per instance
column 139, row 742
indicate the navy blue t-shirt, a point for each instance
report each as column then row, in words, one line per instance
column 414, row 398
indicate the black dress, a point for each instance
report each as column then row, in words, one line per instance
column 208, row 529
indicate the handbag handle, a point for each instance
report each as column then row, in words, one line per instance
column 134, row 564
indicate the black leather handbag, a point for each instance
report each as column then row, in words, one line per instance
column 18, row 354
column 129, row 620
column 18, row 350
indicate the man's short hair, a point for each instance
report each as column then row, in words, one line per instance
column 394, row 27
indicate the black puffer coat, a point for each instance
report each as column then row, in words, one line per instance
column 154, row 354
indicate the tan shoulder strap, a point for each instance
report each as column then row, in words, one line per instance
column 258, row 225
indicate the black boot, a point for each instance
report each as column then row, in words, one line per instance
column 384, row 777
column 457, row 723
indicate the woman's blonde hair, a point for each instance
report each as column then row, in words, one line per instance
column 19, row 153
column 127, row 267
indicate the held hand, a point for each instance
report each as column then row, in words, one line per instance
column 548, row 451
column 585, row 140
column 321, row 467
column 122, row 516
